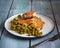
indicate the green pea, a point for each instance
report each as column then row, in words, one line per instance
column 22, row 29
column 19, row 16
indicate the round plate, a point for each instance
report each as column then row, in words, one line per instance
column 49, row 25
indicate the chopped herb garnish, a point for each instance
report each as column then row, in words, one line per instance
column 19, row 16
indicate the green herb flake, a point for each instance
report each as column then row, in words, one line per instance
column 19, row 16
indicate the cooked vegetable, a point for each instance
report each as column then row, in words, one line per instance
column 28, row 23
column 22, row 29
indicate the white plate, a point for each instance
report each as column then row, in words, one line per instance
column 49, row 25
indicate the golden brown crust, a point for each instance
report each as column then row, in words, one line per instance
column 38, row 23
column 28, row 14
column 34, row 21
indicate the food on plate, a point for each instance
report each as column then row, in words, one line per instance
column 28, row 23
column 28, row 15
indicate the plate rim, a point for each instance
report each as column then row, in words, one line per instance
column 27, row 36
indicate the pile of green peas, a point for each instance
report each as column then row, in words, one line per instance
column 22, row 29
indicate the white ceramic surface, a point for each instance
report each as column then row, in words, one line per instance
column 49, row 25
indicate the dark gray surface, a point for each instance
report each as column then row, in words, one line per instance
column 20, row 6
column 56, row 7
column 4, row 8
